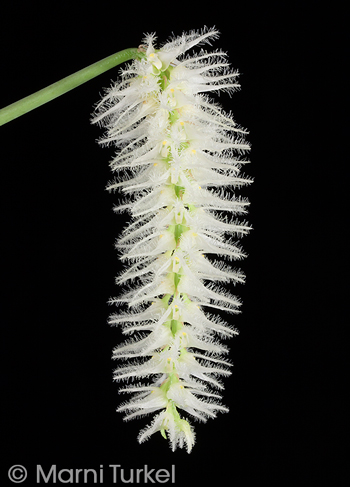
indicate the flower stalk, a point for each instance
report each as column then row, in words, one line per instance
column 57, row 89
column 176, row 149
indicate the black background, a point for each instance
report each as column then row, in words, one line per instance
column 287, row 421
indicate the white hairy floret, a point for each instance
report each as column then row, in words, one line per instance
column 179, row 157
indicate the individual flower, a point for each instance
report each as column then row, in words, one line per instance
column 179, row 158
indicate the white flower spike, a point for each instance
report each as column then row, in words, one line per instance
column 177, row 149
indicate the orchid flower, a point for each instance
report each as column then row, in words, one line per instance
column 178, row 160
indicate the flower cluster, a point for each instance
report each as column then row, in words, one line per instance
column 178, row 156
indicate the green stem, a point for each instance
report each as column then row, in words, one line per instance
column 66, row 84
